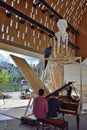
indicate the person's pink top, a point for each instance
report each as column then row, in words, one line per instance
column 40, row 107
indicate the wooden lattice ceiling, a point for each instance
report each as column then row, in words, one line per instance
column 31, row 24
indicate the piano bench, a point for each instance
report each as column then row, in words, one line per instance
column 57, row 123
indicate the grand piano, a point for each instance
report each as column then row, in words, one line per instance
column 68, row 104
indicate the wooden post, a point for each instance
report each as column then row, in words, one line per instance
column 54, row 48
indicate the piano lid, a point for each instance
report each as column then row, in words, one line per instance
column 60, row 89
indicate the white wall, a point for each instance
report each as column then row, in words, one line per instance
column 72, row 73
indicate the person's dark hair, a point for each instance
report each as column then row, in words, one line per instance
column 55, row 94
column 41, row 92
column 50, row 47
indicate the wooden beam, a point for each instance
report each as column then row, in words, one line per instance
column 20, row 49
column 73, row 46
column 56, row 14
column 27, row 18
column 29, row 73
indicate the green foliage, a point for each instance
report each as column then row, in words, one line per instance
column 4, row 79
column 18, row 78
column 11, row 88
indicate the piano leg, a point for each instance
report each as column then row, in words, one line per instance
column 78, row 120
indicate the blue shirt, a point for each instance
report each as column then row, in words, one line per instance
column 47, row 52
column 53, row 107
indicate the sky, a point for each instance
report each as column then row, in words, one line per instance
column 5, row 57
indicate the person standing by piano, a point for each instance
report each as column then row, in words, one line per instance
column 47, row 53
column 69, row 91
column 54, row 107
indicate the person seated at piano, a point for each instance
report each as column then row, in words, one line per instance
column 54, row 107
column 40, row 105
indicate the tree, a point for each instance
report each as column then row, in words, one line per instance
column 4, row 79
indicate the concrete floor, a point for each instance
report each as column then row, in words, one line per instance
column 9, row 123
column 15, row 124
